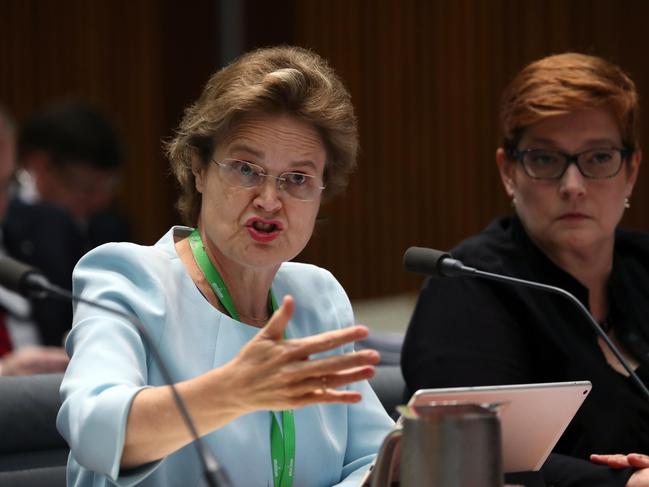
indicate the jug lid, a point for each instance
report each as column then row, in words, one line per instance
column 445, row 408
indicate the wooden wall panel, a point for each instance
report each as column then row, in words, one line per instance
column 426, row 79
column 107, row 51
column 425, row 75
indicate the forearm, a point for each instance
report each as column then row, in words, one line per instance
column 155, row 427
column 565, row 471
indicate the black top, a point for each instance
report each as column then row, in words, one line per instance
column 471, row 332
column 48, row 238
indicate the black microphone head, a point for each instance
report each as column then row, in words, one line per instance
column 424, row 261
column 19, row 277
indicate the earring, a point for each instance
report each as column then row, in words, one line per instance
column 513, row 202
column 627, row 203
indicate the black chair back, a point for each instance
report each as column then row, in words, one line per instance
column 32, row 452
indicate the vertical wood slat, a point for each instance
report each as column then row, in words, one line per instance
column 426, row 78
column 425, row 75
column 107, row 52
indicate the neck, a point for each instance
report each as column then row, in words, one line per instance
column 591, row 267
column 248, row 286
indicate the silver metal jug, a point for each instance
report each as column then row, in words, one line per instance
column 443, row 445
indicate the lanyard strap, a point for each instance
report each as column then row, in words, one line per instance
column 283, row 452
column 282, row 446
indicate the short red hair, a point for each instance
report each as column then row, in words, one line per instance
column 564, row 83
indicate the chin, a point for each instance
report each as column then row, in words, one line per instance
column 262, row 255
column 578, row 239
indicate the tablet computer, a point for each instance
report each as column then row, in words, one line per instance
column 533, row 418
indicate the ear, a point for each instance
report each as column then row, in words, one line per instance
column 198, row 170
column 632, row 172
column 506, row 168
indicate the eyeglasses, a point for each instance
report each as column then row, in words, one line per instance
column 244, row 174
column 551, row 165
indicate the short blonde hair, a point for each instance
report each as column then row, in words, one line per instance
column 563, row 83
column 276, row 80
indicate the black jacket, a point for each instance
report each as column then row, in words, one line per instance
column 49, row 239
column 470, row 332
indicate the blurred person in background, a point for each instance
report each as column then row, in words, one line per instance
column 19, row 352
column 569, row 161
column 69, row 158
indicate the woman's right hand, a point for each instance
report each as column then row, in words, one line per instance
column 268, row 373
column 640, row 477
column 273, row 373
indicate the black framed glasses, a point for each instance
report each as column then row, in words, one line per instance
column 244, row 174
column 598, row 163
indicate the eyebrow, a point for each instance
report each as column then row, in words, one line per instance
column 245, row 148
column 239, row 147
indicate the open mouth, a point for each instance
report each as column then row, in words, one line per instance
column 264, row 227
column 263, row 231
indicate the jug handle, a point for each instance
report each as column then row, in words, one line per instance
column 385, row 458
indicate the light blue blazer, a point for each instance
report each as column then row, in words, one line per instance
column 110, row 364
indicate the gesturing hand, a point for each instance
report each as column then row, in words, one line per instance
column 273, row 373
column 640, row 477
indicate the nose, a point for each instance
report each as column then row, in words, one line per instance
column 267, row 197
column 572, row 182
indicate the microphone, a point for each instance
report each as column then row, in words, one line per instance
column 21, row 278
column 431, row 262
column 30, row 282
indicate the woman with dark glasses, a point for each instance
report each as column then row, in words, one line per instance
column 569, row 161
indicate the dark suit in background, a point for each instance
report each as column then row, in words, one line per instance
column 48, row 238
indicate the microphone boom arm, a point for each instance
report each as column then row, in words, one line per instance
column 470, row 271
column 431, row 262
column 214, row 475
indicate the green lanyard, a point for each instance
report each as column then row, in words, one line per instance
column 282, row 447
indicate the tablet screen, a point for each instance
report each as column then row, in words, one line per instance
column 532, row 420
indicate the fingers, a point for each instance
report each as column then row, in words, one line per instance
column 635, row 460
column 51, row 359
column 614, row 461
column 330, row 396
column 638, row 460
column 304, row 347
column 331, row 381
column 35, row 360
column 297, row 371
column 275, row 327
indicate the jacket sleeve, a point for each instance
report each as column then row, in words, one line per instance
column 565, row 471
column 108, row 364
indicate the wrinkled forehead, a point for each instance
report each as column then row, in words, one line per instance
column 263, row 135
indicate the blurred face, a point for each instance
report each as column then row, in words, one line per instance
column 573, row 213
column 78, row 187
column 260, row 226
column 7, row 165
